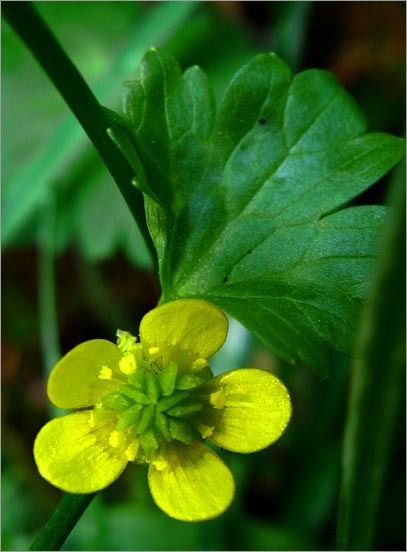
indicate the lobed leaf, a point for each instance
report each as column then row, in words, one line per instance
column 244, row 208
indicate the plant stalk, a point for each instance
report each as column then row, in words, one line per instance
column 66, row 515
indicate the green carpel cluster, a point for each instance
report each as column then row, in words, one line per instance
column 157, row 407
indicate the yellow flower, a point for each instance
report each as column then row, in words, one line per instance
column 156, row 401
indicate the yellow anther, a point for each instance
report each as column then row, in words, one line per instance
column 199, row 363
column 132, row 450
column 105, row 373
column 205, row 430
column 160, row 463
column 91, row 420
column 127, row 364
column 153, row 351
column 117, row 439
column 218, row 399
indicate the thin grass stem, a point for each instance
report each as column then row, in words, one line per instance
column 378, row 383
column 48, row 318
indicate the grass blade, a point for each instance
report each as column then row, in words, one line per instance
column 376, row 391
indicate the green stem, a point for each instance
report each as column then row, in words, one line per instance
column 47, row 301
column 62, row 521
column 69, row 82
column 376, row 391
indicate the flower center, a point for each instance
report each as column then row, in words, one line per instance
column 157, row 404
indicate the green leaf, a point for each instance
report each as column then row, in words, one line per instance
column 246, row 200
column 102, row 222
column 377, row 389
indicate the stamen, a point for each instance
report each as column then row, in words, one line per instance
column 105, row 373
column 132, row 450
column 160, row 463
column 218, row 399
column 91, row 420
column 205, row 430
column 199, row 363
column 127, row 364
column 117, row 439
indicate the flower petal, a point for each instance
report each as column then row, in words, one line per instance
column 191, row 482
column 191, row 324
column 80, row 453
column 85, row 374
column 250, row 409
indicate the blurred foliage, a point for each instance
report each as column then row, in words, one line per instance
column 287, row 495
